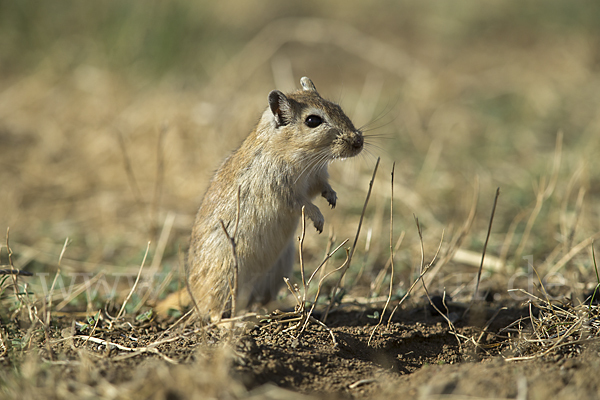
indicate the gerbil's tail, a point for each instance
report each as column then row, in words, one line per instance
column 178, row 300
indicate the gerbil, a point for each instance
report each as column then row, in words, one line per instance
column 279, row 168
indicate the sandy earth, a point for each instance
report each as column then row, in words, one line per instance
column 418, row 356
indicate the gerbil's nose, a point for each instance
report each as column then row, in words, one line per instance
column 357, row 143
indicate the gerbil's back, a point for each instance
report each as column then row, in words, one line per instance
column 277, row 170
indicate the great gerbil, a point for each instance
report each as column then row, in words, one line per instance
column 279, row 168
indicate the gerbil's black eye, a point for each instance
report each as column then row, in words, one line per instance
column 312, row 121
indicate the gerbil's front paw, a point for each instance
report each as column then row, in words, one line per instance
column 330, row 196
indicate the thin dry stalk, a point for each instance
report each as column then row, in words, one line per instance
column 486, row 327
column 171, row 327
column 330, row 242
column 231, row 238
column 78, row 290
column 362, row 215
column 543, row 193
column 487, row 238
column 294, row 291
column 301, row 250
column 12, row 267
column 151, row 348
column 158, row 256
column 233, row 287
column 553, row 347
column 450, row 324
column 578, row 210
column 47, row 302
column 423, row 269
column 309, row 314
column 376, row 286
column 575, row 177
column 457, row 240
column 389, row 297
column 539, row 202
column 573, row 252
column 365, row 255
column 593, row 297
column 300, row 316
column 137, row 279
column 324, row 262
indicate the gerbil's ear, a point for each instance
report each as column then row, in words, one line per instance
column 280, row 107
column 307, row 84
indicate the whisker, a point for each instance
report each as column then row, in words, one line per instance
column 313, row 162
column 369, row 147
column 379, row 136
column 381, row 116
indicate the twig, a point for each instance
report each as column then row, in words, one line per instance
column 321, row 280
column 362, row 215
column 593, row 297
column 391, row 257
column 78, row 291
column 330, row 242
column 555, row 345
column 327, row 257
column 137, row 279
column 487, row 238
column 231, row 238
column 158, row 255
column 424, row 270
column 450, row 324
column 300, row 250
column 361, row 383
column 316, row 321
column 573, row 252
column 458, row 238
column 147, row 349
column 488, row 324
column 381, row 275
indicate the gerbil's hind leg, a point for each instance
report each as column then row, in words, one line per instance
column 268, row 285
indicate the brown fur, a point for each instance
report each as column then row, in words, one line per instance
column 278, row 169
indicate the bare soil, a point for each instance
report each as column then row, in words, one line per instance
column 418, row 355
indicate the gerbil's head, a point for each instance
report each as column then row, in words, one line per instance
column 307, row 124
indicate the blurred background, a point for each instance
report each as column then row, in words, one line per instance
column 114, row 115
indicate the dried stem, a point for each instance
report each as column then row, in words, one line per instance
column 362, row 215
column 300, row 250
column 391, row 257
column 137, row 279
column 423, row 269
column 487, row 238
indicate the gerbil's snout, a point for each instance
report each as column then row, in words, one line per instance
column 357, row 142
column 348, row 144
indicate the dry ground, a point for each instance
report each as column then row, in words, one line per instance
column 113, row 116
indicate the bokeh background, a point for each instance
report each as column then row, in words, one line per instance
column 114, row 115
